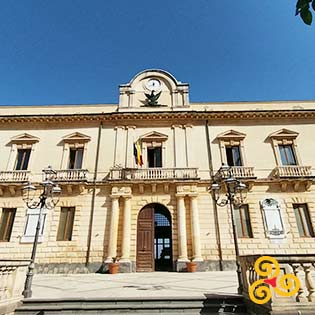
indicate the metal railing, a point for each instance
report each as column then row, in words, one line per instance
column 156, row 173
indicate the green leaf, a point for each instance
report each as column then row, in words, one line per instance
column 306, row 16
column 301, row 4
column 313, row 5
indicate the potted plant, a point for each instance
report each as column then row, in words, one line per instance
column 191, row 266
column 113, row 267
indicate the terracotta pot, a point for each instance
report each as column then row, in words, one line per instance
column 191, row 266
column 113, row 268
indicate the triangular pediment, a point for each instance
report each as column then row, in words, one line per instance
column 284, row 133
column 24, row 138
column 154, row 136
column 76, row 137
column 232, row 134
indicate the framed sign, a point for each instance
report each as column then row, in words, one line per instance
column 272, row 218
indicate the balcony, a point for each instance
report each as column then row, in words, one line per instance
column 71, row 175
column 153, row 174
column 292, row 171
column 14, row 176
column 242, row 172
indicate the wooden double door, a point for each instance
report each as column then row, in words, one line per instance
column 154, row 239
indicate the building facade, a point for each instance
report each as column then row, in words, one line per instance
column 135, row 179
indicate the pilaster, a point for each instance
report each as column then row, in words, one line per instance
column 195, row 228
column 112, row 246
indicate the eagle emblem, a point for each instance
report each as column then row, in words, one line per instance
column 152, row 99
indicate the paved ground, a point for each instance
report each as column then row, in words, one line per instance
column 157, row 284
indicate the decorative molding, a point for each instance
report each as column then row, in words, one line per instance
column 182, row 116
column 153, row 136
column 283, row 134
column 231, row 134
column 76, row 137
column 298, row 199
column 24, row 138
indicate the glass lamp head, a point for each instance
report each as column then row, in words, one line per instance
column 48, row 173
column 225, row 170
column 241, row 191
column 215, row 188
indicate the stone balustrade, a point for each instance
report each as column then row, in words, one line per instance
column 156, row 173
column 302, row 266
column 12, row 278
column 71, row 175
column 292, row 171
column 14, row 176
column 242, row 172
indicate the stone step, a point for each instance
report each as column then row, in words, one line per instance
column 210, row 304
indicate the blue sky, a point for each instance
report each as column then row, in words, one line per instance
column 78, row 51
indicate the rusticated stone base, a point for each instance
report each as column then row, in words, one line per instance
column 66, row 268
column 206, row 265
column 126, row 267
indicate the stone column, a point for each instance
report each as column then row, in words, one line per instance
column 125, row 248
column 112, row 245
column 195, row 228
column 182, row 234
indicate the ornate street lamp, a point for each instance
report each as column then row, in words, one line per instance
column 48, row 199
column 235, row 194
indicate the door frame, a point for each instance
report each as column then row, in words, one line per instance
column 153, row 207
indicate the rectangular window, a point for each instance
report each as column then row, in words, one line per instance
column 65, row 224
column 31, row 224
column 75, row 158
column 287, row 155
column 23, row 157
column 233, row 156
column 155, row 157
column 6, row 223
column 303, row 220
column 242, row 222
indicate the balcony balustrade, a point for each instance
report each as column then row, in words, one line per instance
column 71, row 175
column 242, row 172
column 14, row 176
column 292, row 171
column 157, row 173
column 12, row 277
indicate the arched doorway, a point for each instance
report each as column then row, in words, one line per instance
column 154, row 239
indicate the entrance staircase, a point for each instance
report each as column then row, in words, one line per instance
column 210, row 304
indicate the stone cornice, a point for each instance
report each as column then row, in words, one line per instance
column 179, row 116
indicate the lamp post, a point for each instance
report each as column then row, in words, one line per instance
column 234, row 196
column 48, row 199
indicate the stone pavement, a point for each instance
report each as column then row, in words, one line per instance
column 125, row 285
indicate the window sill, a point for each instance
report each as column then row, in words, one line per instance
column 30, row 239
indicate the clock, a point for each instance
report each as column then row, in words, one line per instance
column 153, row 84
